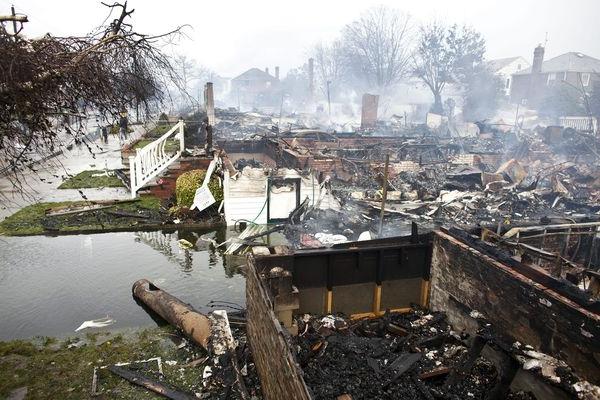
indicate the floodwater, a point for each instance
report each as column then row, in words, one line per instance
column 50, row 285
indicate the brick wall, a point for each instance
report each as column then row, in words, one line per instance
column 280, row 375
column 463, row 279
column 494, row 160
column 467, row 159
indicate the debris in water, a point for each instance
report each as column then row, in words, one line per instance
column 96, row 323
column 184, row 244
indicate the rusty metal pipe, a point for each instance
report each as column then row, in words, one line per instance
column 174, row 311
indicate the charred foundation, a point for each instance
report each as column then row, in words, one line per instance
column 412, row 302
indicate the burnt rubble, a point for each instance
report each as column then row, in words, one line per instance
column 414, row 355
column 487, row 182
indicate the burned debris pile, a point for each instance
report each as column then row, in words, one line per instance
column 396, row 356
column 414, row 355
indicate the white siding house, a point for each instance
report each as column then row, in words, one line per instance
column 246, row 196
column 506, row 67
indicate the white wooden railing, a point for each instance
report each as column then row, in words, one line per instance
column 152, row 159
column 584, row 124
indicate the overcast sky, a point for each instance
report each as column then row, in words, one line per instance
column 232, row 36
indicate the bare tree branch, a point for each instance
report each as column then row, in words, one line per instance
column 44, row 81
column 378, row 46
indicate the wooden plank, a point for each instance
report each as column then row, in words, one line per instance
column 425, row 285
column 76, row 210
column 329, row 302
column 154, row 386
column 377, row 299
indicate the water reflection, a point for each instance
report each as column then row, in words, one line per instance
column 204, row 242
column 50, row 285
column 163, row 243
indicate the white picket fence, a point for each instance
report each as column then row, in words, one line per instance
column 583, row 124
column 153, row 159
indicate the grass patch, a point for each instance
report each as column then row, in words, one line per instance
column 63, row 373
column 27, row 221
column 86, row 179
column 172, row 145
column 32, row 220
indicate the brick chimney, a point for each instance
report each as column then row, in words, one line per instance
column 538, row 59
column 277, row 72
column 267, row 70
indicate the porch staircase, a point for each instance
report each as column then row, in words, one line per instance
column 150, row 161
column 154, row 169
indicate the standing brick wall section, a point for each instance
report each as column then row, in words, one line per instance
column 406, row 166
column 463, row 278
column 279, row 373
column 467, row 159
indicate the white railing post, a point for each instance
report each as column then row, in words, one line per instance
column 152, row 159
column 181, row 136
column 132, row 180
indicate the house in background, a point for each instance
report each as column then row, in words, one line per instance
column 506, row 67
column 533, row 84
column 256, row 88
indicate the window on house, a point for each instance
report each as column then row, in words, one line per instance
column 564, row 77
column 268, row 84
column 507, row 83
column 551, row 78
column 518, row 67
column 585, row 79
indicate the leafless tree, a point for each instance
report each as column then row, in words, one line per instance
column 44, row 81
column 192, row 76
column 186, row 67
column 445, row 55
column 329, row 65
column 187, row 71
column 378, row 46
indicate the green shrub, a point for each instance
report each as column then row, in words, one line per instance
column 163, row 119
column 158, row 131
column 189, row 182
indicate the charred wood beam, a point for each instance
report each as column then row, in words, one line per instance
column 507, row 370
column 403, row 363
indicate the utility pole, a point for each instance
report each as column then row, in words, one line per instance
column 14, row 18
column 384, row 194
column 12, row 11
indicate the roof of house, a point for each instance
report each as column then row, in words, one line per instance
column 254, row 74
column 572, row 61
column 498, row 64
